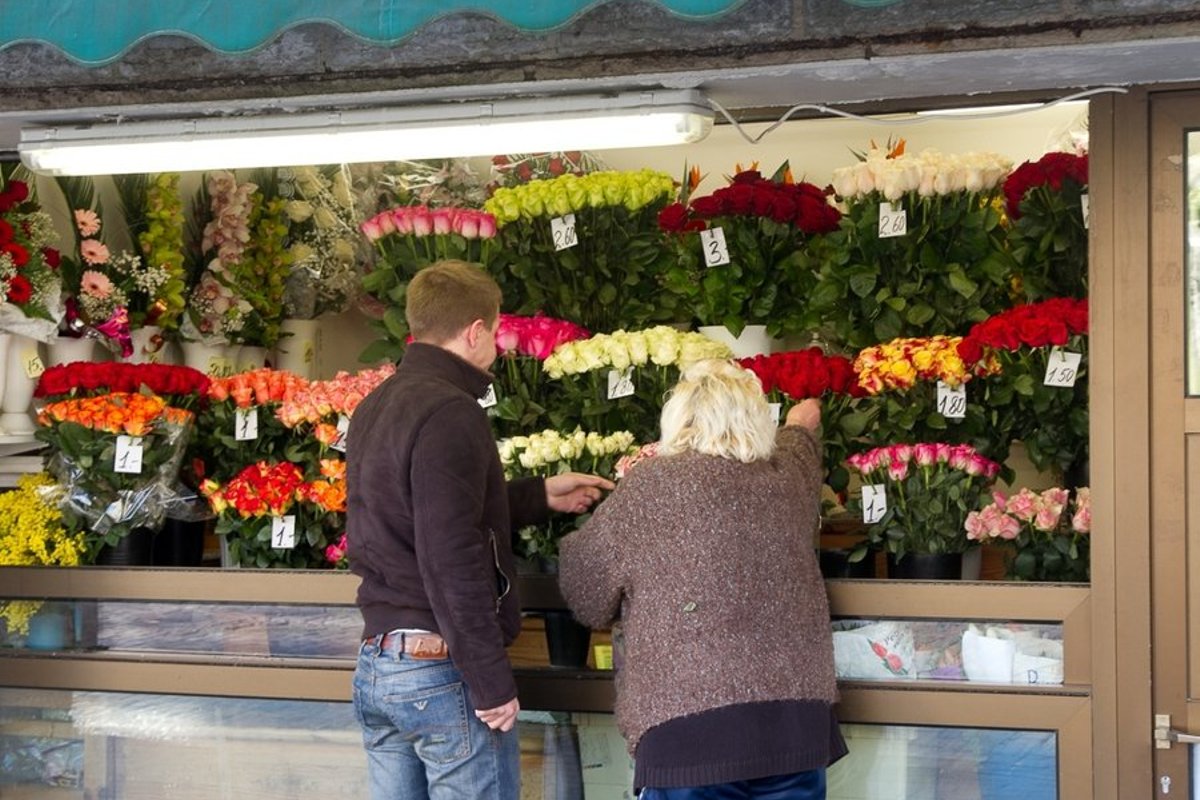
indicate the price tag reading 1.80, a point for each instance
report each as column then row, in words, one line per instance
column 1062, row 369
column 951, row 400
column 874, row 502
column 712, row 241
column 620, row 383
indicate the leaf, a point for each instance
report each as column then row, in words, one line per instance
column 960, row 283
column 863, row 285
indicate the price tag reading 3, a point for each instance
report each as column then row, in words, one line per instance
column 951, row 400
column 874, row 502
column 283, row 532
column 620, row 383
column 893, row 221
column 1063, row 368
column 776, row 411
column 563, row 230
column 245, row 424
column 128, row 457
column 489, row 397
column 712, row 241
column 343, row 427
column 32, row 363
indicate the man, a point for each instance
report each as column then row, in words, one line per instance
column 429, row 523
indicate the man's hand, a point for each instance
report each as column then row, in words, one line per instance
column 501, row 718
column 806, row 414
column 574, row 492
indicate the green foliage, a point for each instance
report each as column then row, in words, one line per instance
column 1049, row 242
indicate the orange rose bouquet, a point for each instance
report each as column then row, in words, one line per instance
column 118, row 457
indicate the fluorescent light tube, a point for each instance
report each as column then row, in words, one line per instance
column 635, row 119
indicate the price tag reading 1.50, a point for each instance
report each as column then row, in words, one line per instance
column 563, row 230
column 1062, row 369
column 951, row 400
column 893, row 221
column 712, row 241
column 874, row 502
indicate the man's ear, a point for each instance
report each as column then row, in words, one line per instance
column 473, row 332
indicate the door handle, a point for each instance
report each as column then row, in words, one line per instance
column 1165, row 735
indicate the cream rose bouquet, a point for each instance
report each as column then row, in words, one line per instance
column 323, row 239
column 920, row 250
column 551, row 452
column 619, row 381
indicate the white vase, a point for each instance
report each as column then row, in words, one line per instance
column 753, row 340
column 250, row 357
column 69, row 349
column 298, row 352
column 211, row 359
column 148, row 346
column 22, row 366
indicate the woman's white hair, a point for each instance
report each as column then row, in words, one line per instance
column 718, row 409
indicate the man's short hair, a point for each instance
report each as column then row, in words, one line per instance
column 446, row 297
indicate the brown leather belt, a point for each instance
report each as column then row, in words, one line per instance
column 417, row 645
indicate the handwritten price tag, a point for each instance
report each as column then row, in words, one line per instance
column 874, row 502
column 343, row 427
column 1084, row 206
column 1062, row 369
column 32, row 363
column 776, row 411
column 283, row 532
column 951, row 400
column 893, row 221
column 620, row 383
column 563, row 231
column 128, row 457
column 245, row 424
column 489, row 397
column 219, row 366
column 712, row 241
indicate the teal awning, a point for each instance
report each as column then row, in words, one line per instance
column 98, row 31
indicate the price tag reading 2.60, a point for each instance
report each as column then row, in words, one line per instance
column 951, row 400
column 563, row 230
column 712, row 241
column 893, row 221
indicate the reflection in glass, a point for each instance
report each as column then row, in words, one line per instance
column 1192, row 248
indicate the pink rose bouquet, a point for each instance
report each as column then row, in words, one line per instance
column 1047, row 532
column 522, row 344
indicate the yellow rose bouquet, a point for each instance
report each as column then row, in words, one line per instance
column 585, row 248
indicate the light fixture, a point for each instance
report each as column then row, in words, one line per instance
column 574, row 122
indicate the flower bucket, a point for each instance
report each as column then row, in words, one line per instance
column 149, row 347
column 211, row 359
column 836, row 563
column 69, row 349
column 298, row 352
column 925, row 566
column 133, row 550
column 180, row 543
column 753, row 340
column 566, row 640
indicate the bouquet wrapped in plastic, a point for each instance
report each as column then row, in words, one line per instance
column 117, row 456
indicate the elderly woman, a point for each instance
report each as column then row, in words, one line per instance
column 705, row 554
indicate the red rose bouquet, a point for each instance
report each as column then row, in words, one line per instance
column 30, row 288
column 1048, row 237
column 1043, row 388
column 764, row 224
column 790, row 377
column 182, row 387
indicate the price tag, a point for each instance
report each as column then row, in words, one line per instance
column 343, row 427
column 563, row 231
column 1062, row 369
column 489, row 397
column 283, row 532
column 32, row 363
column 219, row 367
column 245, row 424
column 128, row 458
column 874, row 502
column 715, row 251
column 951, row 400
column 620, row 383
column 776, row 411
column 1085, row 206
column 893, row 221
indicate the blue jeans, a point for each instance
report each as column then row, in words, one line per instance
column 808, row 785
column 421, row 734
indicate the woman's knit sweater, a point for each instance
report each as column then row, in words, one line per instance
column 710, row 566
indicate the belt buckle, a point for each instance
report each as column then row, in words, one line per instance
column 428, row 648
